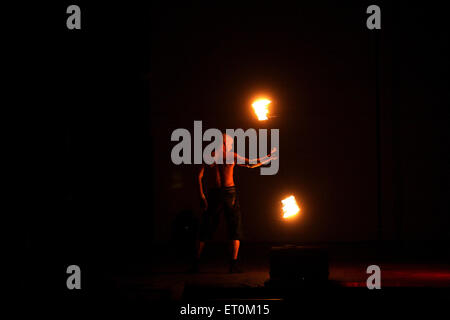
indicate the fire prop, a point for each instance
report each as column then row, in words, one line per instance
column 261, row 108
column 290, row 207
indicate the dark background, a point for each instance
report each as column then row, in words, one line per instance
column 113, row 92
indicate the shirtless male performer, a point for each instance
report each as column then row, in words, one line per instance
column 222, row 196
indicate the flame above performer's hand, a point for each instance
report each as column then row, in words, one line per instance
column 290, row 207
column 261, row 108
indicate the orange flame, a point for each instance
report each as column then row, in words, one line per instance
column 290, row 207
column 261, row 108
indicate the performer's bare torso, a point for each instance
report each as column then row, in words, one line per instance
column 223, row 175
column 223, row 170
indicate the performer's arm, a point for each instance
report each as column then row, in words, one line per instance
column 204, row 203
column 274, row 149
column 260, row 161
column 256, row 165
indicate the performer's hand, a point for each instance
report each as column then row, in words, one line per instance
column 204, row 203
column 265, row 161
column 274, row 149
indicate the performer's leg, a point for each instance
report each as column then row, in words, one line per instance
column 208, row 226
column 234, row 220
column 200, row 243
column 200, row 246
column 235, row 249
column 198, row 252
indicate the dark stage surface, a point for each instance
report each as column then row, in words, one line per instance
column 167, row 277
column 413, row 278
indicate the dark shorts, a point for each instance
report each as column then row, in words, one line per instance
column 221, row 200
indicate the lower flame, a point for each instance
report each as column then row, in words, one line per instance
column 261, row 108
column 290, row 207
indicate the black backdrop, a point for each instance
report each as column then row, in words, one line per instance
column 110, row 95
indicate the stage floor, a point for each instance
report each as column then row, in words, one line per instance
column 165, row 278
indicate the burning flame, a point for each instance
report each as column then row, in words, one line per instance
column 290, row 207
column 261, row 108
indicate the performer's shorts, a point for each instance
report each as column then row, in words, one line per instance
column 221, row 200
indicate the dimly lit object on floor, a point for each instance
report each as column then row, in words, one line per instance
column 290, row 207
column 261, row 108
column 292, row 266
